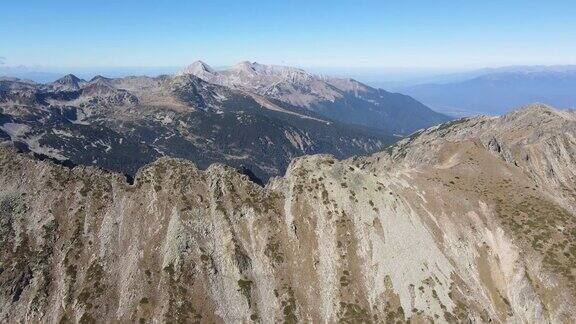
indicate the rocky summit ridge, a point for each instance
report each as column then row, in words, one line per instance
column 469, row 221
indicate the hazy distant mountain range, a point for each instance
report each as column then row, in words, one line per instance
column 251, row 116
column 460, row 93
column 496, row 91
column 42, row 74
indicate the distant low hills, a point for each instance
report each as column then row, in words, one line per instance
column 495, row 91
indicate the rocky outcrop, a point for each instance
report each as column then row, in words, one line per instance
column 442, row 229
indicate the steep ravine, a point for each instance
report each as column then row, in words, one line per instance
column 467, row 235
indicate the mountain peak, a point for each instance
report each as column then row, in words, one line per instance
column 270, row 70
column 537, row 106
column 68, row 78
column 539, row 113
column 100, row 78
column 197, row 68
column 68, row 82
column 245, row 66
column 534, row 109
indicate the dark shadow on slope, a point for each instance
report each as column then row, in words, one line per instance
column 23, row 148
column 247, row 172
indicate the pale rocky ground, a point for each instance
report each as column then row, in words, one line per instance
column 452, row 225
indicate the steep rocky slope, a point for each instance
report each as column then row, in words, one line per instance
column 452, row 225
column 346, row 100
column 538, row 139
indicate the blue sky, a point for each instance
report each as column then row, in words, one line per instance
column 443, row 34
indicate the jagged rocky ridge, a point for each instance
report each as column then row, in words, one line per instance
column 122, row 124
column 451, row 225
column 346, row 100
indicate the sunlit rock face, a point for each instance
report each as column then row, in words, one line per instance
column 454, row 224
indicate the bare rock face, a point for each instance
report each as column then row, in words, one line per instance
column 444, row 229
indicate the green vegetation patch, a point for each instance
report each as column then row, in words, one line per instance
column 353, row 313
column 245, row 286
column 289, row 306
column 11, row 206
column 547, row 228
